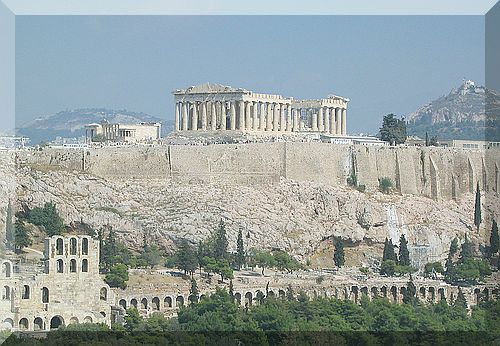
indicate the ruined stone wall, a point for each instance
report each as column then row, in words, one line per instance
column 436, row 173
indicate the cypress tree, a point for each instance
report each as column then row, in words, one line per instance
column 186, row 258
column 494, row 240
column 21, row 236
column 467, row 250
column 338, row 255
column 404, row 254
column 193, row 291
column 460, row 301
column 477, row 208
column 240, row 251
column 410, row 295
column 389, row 253
column 220, row 250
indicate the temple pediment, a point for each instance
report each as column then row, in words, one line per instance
column 210, row 88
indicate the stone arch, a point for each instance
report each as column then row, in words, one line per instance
column 179, row 301
column 103, row 294
column 202, row 297
column 259, row 297
column 23, row 324
column 60, row 266
column 6, row 293
column 85, row 246
column 7, row 269
column 25, row 294
column 421, row 291
column 271, row 294
column 441, row 294
column 72, row 265
column 133, row 302
column 374, row 292
column 248, row 298
column 237, row 297
column 8, row 324
column 103, row 314
column 87, row 319
column 364, row 291
column 38, row 324
column 123, row 303
column 56, row 322
column 486, row 294
column 167, row 302
column 73, row 246
column 355, row 293
column 402, row 291
column 59, row 246
column 281, row 293
column 85, row 265
column 156, row 303
column 432, row 294
column 73, row 320
column 383, row 291
column 45, row 295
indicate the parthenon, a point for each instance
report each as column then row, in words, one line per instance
column 212, row 107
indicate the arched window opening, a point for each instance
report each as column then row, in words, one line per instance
column 73, row 320
column 72, row 246
column 6, row 293
column 59, row 246
column 6, row 269
column 23, row 324
column 104, row 294
column 156, row 303
column 87, row 319
column 26, row 292
column 103, row 314
column 72, row 266
column 60, row 266
column 85, row 246
column 45, row 295
column 38, row 324
column 56, row 322
column 85, row 266
column 248, row 299
column 133, row 302
column 144, row 303
column 167, row 302
column 179, row 302
column 8, row 324
column 123, row 303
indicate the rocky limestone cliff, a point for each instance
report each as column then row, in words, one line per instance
column 300, row 217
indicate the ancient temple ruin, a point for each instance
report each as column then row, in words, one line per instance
column 212, row 107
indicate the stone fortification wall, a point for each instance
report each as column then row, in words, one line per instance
column 437, row 173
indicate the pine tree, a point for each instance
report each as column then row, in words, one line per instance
column 220, row 250
column 193, row 291
column 21, row 236
column 477, row 208
column 185, row 258
column 338, row 255
column 240, row 251
column 389, row 253
column 467, row 250
column 410, row 295
column 494, row 240
column 200, row 253
column 9, row 227
column 404, row 254
column 460, row 301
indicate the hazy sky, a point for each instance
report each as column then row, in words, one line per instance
column 382, row 63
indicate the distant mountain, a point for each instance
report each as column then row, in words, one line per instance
column 71, row 123
column 469, row 112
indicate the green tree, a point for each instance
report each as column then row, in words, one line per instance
column 9, row 227
column 494, row 240
column 151, row 255
column 410, row 294
column 338, row 254
column 263, row 259
column 477, row 208
column 385, row 185
column 404, row 254
column 200, row 253
column 221, row 243
column 467, row 250
column 48, row 218
column 433, row 267
column 114, row 252
column 389, row 253
column 283, row 261
column 224, row 269
column 186, row 259
column 388, row 267
column 453, row 247
column 193, row 292
column 22, row 237
column 240, row 251
column 460, row 301
column 117, row 276
column 393, row 130
column 210, row 265
column 133, row 320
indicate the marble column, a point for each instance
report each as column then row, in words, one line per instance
column 185, row 115
column 204, row 116
column 288, row 118
column 296, row 120
column 327, row 120
column 194, row 122
column 344, row 122
column 214, row 116
column 321, row 120
column 232, row 116
column 314, row 120
column 282, row 118
column 223, row 116
column 337, row 122
column 269, row 108
column 332, row 121
column 263, row 121
column 241, row 115
column 248, row 116
column 177, row 116
column 255, row 124
column 276, row 117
